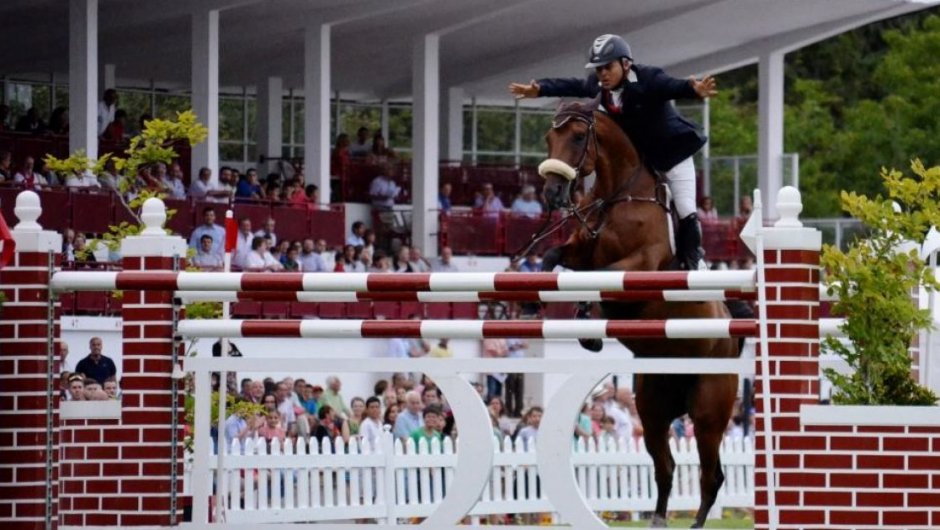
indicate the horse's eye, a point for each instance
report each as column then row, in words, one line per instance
column 579, row 138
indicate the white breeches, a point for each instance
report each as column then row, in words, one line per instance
column 682, row 185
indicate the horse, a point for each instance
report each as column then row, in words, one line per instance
column 623, row 226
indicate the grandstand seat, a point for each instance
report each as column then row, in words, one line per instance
column 246, row 309
column 387, row 310
column 275, row 309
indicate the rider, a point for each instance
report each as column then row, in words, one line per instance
column 638, row 98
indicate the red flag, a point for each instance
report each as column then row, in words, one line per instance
column 231, row 232
column 9, row 245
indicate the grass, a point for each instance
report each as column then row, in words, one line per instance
column 737, row 522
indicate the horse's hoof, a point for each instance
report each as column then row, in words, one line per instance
column 592, row 345
column 658, row 522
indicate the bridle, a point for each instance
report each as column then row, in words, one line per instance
column 599, row 205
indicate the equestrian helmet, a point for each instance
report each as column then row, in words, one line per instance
column 607, row 49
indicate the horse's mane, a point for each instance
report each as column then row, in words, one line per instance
column 583, row 108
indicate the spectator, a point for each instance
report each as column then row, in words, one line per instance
column 489, row 202
column 310, row 260
column 596, row 413
column 357, row 409
column 76, row 391
column 27, row 177
column 371, row 427
column 111, row 388
column 267, row 231
column 209, row 227
column 355, row 236
column 431, row 429
column 109, row 177
column 384, row 189
column 272, row 427
column 495, row 348
column 619, row 410
column 444, row 263
column 59, row 122
column 442, row 350
column 707, row 211
column 6, row 166
column 115, row 130
column 350, row 260
column 369, row 237
column 340, row 159
column 330, row 427
column 381, row 263
column 249, row 187
column 333, row 398
column 285, row 405
column 608, row 431
column 327, row 255
column 201, row 187
column 95, row 365
column 269, row 402
column 107, row 109
column 409, row 419
column 173, row 182
column 417, row 261
column 497, row 411
column 443, row 198
column 361, row 147
column 256, row 392
column 526, row 205
column 81, row 252
column 310, row 401
column 531, row 263
column 308, row 196
column 239, row 427
column 243, row 239
column 224, row 190
column 205, row 258
column 259, row 259
column 401, row 263
column 390, row 416
column 30, row 122
column 85, row 179
column 93, row 391
column 745, row 207
column 529, row 432
column 380, row 154
column 292, row 261
column 365, row 258
column 279, row 251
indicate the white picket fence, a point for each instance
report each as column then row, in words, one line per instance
column 296, row 482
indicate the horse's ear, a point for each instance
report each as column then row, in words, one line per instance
column 594, row 104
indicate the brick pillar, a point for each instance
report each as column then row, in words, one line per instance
column 125, row 478
column 28, row 469
column 791, row 257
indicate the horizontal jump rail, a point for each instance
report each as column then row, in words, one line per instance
column 386, row 282
column 690, row 328
column 466, row 296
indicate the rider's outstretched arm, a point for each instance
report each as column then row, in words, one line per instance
column 666, row 87
column 571, row 87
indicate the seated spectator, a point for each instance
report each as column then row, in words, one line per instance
column 200, row 188
column 418, row 262
column 292, row 260
column 330, row 427
column 340, row 158
column 76, row 391
column 206, row 259
column 249, row 187
column 109, row 178
column 355, row 237
column 82, row 253
column 259, row 259
column 532, row 263
column 380, row 263
column 272, row 192
column 369, row 237
column 401, row 263
column 115, row 130
column 68, row 245
column 324, row 251
column 93, row 391
column 242, row 242
column 224, row 190
column 707, row 211
column 111, row 388
column 267, row 231
column 360, row 148
column 279, row 251
column 350, row 260
column 30, row 122
column 380, row 154
column 384, row 189
column 107, row 108
column 85, row 179
column 530, row 427
column 365, row 257
column 309, row 196
column 526, row 204
column 6, row 166
column 27, row 177
column 433, row 417
column 310, row 260
column 172, row 180
column 209, row 227
column 409, row 419
column 444, row 263
column 443, row 198
column 489, row 202
column 272, row 427
column 441, row 350
column 59, row 122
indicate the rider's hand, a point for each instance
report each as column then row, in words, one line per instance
column 521, row 90
column 704, row 88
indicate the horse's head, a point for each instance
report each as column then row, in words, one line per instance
column 572, row 151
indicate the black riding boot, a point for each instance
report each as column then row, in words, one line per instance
column 689, row 252
column 584, row 313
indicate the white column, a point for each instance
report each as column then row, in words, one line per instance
column 426, row 91
column 270, row 95
column 108, row 76
column 770, row 131
column 384, row 120
column 83, row 76
column 317, row 107
column 205, row 89
column 452, row 112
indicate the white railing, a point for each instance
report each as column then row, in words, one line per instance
column 297, row 481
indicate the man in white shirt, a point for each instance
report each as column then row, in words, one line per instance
column 384, row 189
column 225, row 189
column 527, row 204
column 85, row 179
column 242, row 242
column 172, row 180
column 326, row 254
column 355, row 237
column 445, row 262
column 310, row 260
column 371, row 427
column 285, row 406
column 417, row 261
column 267, row 231
column 209, row 227
column 259, row 259
column 201, row 187
column 205, row 259
column 106, row 109
column 362, row 146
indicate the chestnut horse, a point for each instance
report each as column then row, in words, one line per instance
column 623, row 226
